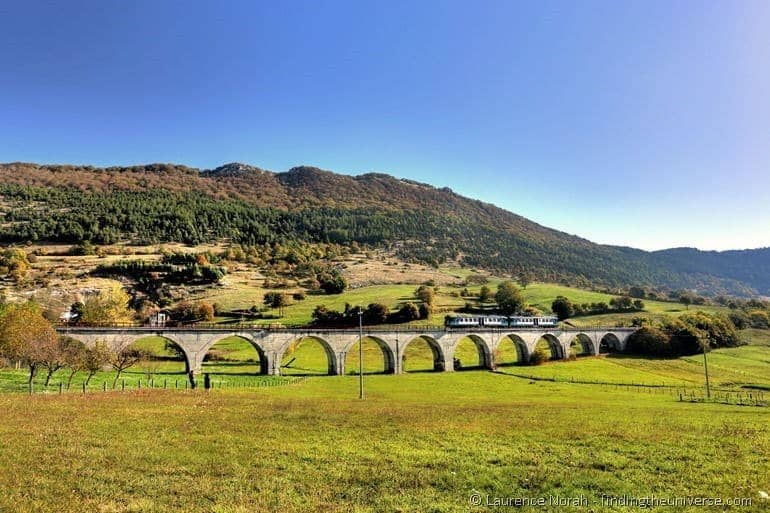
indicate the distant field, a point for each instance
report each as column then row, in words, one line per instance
column 67, row 278
column 538, row 294
column 420, row 442
column 730, row 367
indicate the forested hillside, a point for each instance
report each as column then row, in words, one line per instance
column 248, row 205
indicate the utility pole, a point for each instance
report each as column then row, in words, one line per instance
column 360, row 353
column 706, row 367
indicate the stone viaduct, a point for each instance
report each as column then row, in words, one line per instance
column 272, row 344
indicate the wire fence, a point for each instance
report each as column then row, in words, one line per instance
column 177, row 382
column 678, row 391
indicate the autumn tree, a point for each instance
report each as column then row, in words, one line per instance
column 426, row 294
column 186, row 311
column 25, row 335
column 14, row 263
column 109, row 306
column 205, row 311
column 485, row 294
column 86, row 359
column 74, row 362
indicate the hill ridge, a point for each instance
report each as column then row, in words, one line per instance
column 248, row 204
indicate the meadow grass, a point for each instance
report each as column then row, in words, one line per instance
column 418, row 442
column 540, row 295
column 728, row 368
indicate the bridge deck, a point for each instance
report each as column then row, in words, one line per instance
column 366, row 329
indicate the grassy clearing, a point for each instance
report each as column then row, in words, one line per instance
column 420, row 442
column 733, row 368
column 540, row 295
column 755, row 337
column 728, row 368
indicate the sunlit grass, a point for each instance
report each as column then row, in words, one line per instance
column 418, row 442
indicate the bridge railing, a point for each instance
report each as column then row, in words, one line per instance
column 351, row 329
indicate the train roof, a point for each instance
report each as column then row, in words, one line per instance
column 470, row 316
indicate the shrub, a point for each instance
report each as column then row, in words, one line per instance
column 376, row 313
column 562, row 308
column 408, row 312
column 333, row 282
column 649, row 341
column 739, row 319
column 539, row 356
column 759, row 319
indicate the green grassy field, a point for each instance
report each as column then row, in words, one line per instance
column 419, row 442
column 728, row 368
column 540, row 295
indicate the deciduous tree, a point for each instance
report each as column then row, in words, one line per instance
column 426, row 294
column 109, row 306
column 509, row 298
column 276, row 300
column 56, row 353
column 686, row 299
column 562, row 307
column 25, row 335
column 485, row 294
column 122, row 356
column 525, row 279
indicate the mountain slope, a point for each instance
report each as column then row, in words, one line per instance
column 750, row 266
column 248, row 205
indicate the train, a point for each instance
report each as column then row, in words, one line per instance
column 500, row 321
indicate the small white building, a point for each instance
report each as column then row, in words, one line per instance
column 68, row 316
column 158, row 319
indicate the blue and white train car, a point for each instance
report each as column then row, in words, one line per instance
column 500, row 321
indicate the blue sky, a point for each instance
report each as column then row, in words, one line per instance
column 639, row 123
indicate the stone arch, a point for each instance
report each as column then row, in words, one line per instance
column 331, row 357
column 482, row 349
column 610, row 343
column 188, row 363
column 263, row 363
column 522, row 349
column 387, row 353
column 557, row 351
column 586, row 343
column 436, row 350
